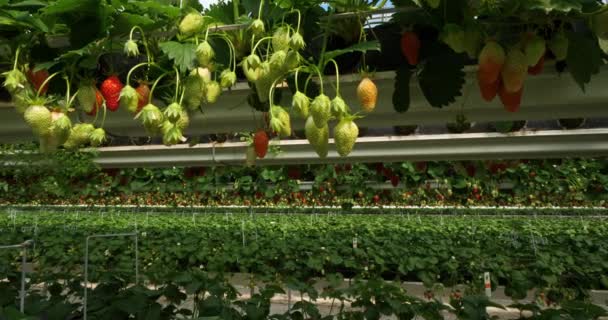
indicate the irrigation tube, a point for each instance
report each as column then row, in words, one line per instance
column 23, row 246
column 86, row 262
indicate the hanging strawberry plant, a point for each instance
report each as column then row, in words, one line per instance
column 70, row 64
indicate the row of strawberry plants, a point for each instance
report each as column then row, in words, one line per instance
column 212, row 297
column 73, row 179
column 565, row 255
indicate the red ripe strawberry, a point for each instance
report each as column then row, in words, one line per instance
column 471, row 170
column 510, row 100
column 376, row 198
column 488, row 90
column 260, row 143
column 491, row 61
column 143, row 90
column 410, row 47
column 379, row 168
column 37, row 78
column 421, row 166
column 395, row 181
column 110, row 89
column 294, row 173
column 538, row 68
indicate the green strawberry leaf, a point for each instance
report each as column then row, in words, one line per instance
column 442, row 76
column 401, row 95
column 373, row 45
column 584, row 58
column 183, row 54
column 553, row 5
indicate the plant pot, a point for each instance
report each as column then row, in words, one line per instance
column 569, row 124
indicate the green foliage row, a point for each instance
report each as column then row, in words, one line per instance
column 72, row 179
column 522, row 253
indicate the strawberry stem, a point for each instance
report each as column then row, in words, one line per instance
column 133, row 69
column 320, row 78
column 181, row 99
column 143, row 39
column 207, row 32
column 155, row 84
column 299, row 19
column 46, row 81
column 176, row 83
column 103, row 119
column 231, row 66
column 17, row 53
column 260, row 9
column 67, row 94
column 258, row 43
column 337, row 76
column 296, row 79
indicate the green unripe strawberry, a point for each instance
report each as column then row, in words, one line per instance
column 227, row 78
column 129, row 99
column 184, row 121
column 292, row 60
column 212, row 92
column 20, row 102
column 191, row 24
column 433, row 3
column 86, row 97
column 454, row 36
column 276, row 125
column 152, row 118
column 559, row 46
column 251, row 67
column 472, row 42
column 277, row 62
column 339, row 108
column 257, row 27
column 39, row 119
column 535, row 49
column 283, row 126
column 15, row 80
column 61, row 126
column 205, row 54
column 173, row 112
column 194, row 92
column 345, row 136
column 320, row 110
column 296, row 42
column 317, row 137
column 131, row 48
column 300, row 104
column 599, row 24
column 98, row 137
column 262, row 88
column 280, row 39
column 80, row 135
column 151, row 129
column 203, row 73
column 172, row 134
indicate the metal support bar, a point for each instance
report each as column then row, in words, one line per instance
column 86, row 262
column 467, row 146
column 23, row 246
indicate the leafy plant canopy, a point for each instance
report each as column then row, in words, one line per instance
column 69, row 63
